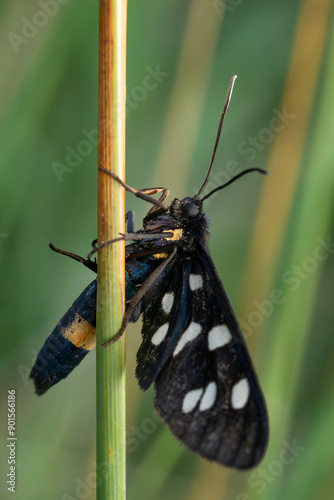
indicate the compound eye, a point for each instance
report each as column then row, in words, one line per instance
column 191, row 210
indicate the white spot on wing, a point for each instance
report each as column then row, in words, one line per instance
column 160, row 334
column 218, row 337
column 167, row 302
column 240, row 394
column 191, row 399
column 209, row 396
column 195, row 281
column 193, row 330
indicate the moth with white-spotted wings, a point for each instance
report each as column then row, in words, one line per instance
column 206, row 390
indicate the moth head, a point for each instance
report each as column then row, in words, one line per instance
column 188, row 208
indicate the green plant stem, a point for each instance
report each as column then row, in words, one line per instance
column 110, row 371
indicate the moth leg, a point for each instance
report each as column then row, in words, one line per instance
column 144, row 194
column 155, row 209
column 86, row 262
column 140, row 294
column 131, row 237
column 130, row 220
column 155, row 190
column 130, row 228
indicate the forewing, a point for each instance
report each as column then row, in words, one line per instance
column 207, row 392
column 165, row 316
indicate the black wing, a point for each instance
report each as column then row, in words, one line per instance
column 166, row 314
column 206, row 389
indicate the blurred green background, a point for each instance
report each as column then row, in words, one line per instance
column 271, row 237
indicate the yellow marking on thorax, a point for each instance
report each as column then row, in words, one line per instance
column 80, row 333
column 177, row 235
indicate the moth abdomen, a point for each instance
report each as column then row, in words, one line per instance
column 71, row 340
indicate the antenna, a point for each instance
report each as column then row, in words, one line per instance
column 256, row 169
column 220, row 126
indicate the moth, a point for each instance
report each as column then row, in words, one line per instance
column 192, row 350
